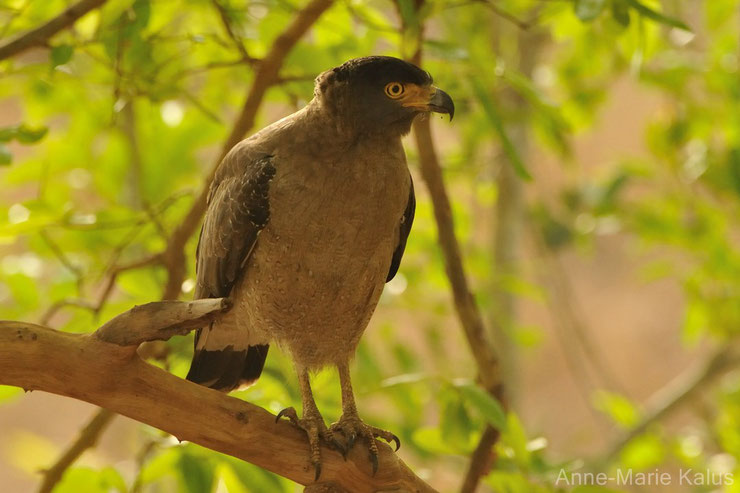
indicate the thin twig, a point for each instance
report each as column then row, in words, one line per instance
column 499, row 11
column 575, row 334
column 223, row 14
column 76, row 271
column 67, row 302
column 679, row 391
column 87, row 439
column 41, row 35
column 110, row 281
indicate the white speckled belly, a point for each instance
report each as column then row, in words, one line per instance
column 320, row 265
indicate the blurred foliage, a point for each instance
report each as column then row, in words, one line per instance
column 112, row 127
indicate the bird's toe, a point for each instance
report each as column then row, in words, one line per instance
column 352, row 428
column 315, row 429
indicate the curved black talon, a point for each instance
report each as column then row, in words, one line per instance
column 374, row 460
column 397, row 441
column 317, row 466
column 340, row 447
column 351, row 441
column 281, row 414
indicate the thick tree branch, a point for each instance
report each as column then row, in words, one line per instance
column 41, row 35
column 88, row 368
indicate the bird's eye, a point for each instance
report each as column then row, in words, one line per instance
column 394, row 90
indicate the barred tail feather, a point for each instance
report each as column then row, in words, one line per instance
column 224, row 366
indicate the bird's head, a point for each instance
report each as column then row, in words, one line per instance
column 380, row 94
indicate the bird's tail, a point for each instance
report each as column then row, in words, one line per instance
column 225, row 358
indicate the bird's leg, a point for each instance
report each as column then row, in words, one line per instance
column 311, row 422
column 350, row 424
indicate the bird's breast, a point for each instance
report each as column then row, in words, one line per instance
column 320, row 265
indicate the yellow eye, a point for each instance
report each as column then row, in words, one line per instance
column 394, row 90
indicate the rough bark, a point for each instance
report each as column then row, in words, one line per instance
column 103, row 368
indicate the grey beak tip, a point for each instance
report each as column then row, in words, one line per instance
column 442, row 103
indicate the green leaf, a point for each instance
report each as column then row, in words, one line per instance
column 618, row 407
column 28, row 135
column 5, row 156
column 621, row 12
column 430, row 439
column 61, row 54
column 516, row 437
column 514, row 482
column 161, row 465
column 588, row 10
column 112, row 479
column 7, row 392
column 22, row 133
column 643, row 452
column 489, row 108
column 733, row 168
column 483, row 402
column 197, row 475
column 657, row 16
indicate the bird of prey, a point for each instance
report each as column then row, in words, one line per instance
column 306, row 221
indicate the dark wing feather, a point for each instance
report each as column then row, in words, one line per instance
column 238, row 209
column 404, row 229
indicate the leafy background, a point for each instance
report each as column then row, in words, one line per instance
column 594, row 165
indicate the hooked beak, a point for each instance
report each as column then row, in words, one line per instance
column 429, row 98
column 441, row 102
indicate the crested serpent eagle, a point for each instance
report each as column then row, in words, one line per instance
column 306, row 221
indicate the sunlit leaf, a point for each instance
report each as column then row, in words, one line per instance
column 496, row 122
column 588, row 10
column 61, row 54
column 197, row 474
column 5, row 156
column 22, row 133
column 8, row 393
column 483, row 402
column 643, row 452
column 620, row 12
column 618, row 407
column 650, row 13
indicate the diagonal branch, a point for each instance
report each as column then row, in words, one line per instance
column 88, row 437
column 488, row 364
column 465, row 305
column 471, row 319
column 680, row 390
column 89, row 368
column 41, row 35
column 265, row 76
